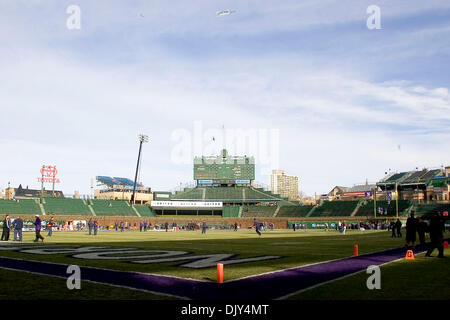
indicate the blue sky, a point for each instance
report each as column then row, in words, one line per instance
column 342, row 98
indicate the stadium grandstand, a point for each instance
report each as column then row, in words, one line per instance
column 224, row 186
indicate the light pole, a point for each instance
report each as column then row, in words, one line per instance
column 142, row 138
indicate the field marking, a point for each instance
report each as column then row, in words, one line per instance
column 340, row 278
column 97, row 282
column 111, row 270
column 209, row 290
column 305, row 265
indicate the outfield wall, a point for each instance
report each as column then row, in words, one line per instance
column 279, row 223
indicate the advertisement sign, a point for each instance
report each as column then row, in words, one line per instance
column 207, row 182
column 48, row 174
column 186, row 204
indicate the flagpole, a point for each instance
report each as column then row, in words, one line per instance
column 375, row 201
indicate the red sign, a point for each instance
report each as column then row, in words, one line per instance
column 48, row 174
column 445, row 213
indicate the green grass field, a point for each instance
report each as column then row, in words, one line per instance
column 295, row 249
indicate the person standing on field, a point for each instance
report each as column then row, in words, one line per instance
column 50, row 227
column 6, row 228
column 18, row 226
column 90, row 226
column 37, row 227
column 398, row 227
column 257, row 226
column 436, row 236
column 204, row 226
column 411, row 230
column 95, row 227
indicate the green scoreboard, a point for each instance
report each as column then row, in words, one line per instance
column 223, row 167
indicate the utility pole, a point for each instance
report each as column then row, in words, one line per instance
column 42, row 183
column 142, row 138
column 54, row 175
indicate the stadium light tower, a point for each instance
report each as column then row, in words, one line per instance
column 142, row 138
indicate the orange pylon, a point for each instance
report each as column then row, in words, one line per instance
column 409, row 255
column 219, row 273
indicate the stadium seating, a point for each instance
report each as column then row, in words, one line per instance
column 22, row 207
column 427, row 209
column 366, row 210
column 226, row 194
column 58, row 206
column 335, row 209
column 258, row 211
column 118, row 208
column 189, row 194
column 231, row 211
column 294, row 211
column 145, row 211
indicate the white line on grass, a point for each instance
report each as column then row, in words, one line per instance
column 340, row 278
column 96, row 282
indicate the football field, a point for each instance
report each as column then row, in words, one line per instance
column 279, row 264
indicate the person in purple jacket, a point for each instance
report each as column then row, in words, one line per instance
column 37, row 225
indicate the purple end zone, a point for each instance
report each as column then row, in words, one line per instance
column 260, row 287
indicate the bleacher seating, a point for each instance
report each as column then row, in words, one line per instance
column 427, row 209
column 145, row 211
column 189, row 194
column 258, row 211
column 21, row 207
column 294, row 211
column 226, row 194
column 118, row 208
column 335, row 209
column 366, row 210
column 58, row 206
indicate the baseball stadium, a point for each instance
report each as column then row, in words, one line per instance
column 225, row 237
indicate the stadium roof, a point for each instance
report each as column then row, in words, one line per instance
column 423, row 176
column 116, row 182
